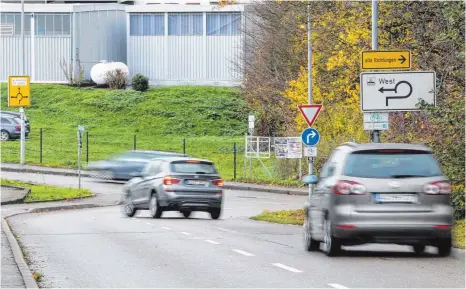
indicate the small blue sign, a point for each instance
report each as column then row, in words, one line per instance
column 310, row 136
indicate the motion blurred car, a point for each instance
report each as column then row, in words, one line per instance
column 10, row 128
column 125, row 165
column 379, row 193
column 18, row 115
column 175, row 184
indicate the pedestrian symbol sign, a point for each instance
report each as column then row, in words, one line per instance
column 19, row 91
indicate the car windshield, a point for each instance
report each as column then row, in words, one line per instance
column 391, row 164
column 193, row 167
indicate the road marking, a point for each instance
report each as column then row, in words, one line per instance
column 137, row 220
column 148, row 223
column 243, row 252
column 166, row 228
column 185, row 233
column 337, row 286
column 291, row 269
column 212, row 242
column 226, row 230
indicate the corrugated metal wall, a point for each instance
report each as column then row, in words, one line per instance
column 49, row 52
column 101, row 35
column 10, row 58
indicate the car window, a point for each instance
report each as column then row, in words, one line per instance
column 329, row 167
column 391, row 164
column 5, row 121
column 193, row 167
column 155, row 168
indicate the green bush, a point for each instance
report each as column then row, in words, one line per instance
column 140, row 82
column 457, row 199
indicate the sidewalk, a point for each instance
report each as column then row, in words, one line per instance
column 9, row 167
column 11, row 277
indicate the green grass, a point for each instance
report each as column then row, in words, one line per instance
column 41, row 193
column 296, row 217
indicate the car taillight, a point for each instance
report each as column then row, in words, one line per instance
column 349, row 188
column 437, row 188
column 218, row 183
column 18, row 127
column 168, row 180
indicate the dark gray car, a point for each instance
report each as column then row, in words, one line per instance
column 18, row 115
column 379, row 193
column 175, row 184
column 10, row 127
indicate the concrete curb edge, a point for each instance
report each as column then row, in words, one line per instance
column 18, row 200
column 26, row 273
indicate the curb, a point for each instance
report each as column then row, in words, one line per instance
column 228, row 186
column 18, row 200
column 26, row 273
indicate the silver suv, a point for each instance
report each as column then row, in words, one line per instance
column 175, row 184
column 379, row 193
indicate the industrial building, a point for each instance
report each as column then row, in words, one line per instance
column 185, row 42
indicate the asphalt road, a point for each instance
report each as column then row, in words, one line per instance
column 101, row 248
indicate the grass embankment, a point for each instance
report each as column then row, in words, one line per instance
column 42, row 193
column 296, row 217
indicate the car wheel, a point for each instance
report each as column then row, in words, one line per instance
column 4, row 135
column 331, row 244
column 215, row 213
column 128, row 207
column 155, row 210
column 444, row 249
column 309, row 243
column 186, row 214
column 419, row 249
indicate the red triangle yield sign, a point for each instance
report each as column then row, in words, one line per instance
column 310, row 112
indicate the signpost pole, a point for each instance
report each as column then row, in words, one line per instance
column 23, row 136
column 21, row 109
column 79, row 159
column 375, row 16
column 309, row 81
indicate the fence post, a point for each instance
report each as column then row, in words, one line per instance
column 40, row 145
column 184, row 146
column 87, row 147
column 134, row 143
column 234, row 161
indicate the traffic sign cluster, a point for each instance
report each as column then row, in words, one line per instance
column 310, row 136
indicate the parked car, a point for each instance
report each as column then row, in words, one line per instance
column 125, row 165
column 175, row 184
column 11, row 128
column 379, row 193
column 18, row 115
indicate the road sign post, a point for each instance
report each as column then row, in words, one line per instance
column 375, row 60
column 80, row 148
column 375, row 45
column 19, row 94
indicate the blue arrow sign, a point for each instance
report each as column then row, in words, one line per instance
column 310, row 136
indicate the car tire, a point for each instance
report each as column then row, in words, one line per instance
column 444, row 248
column 215, row 213
column 419, row 249
column 186, row 214
column 128, row 208
column 154, row 207
column 332, row 246
column 4, row 135
column 309, row 243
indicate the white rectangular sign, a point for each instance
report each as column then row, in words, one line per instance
column 310, row 151
column 288, row 148
column 376, row 126
column 375, row 117
column 396, row 91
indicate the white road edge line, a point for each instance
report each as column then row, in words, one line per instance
column 337, row 286
column 212, row 242
column 185, row 233
column 291, row 269
column 166, row 228
column 243, row 252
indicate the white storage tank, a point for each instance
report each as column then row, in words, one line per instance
column 100, row 70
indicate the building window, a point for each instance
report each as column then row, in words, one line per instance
column 52, row 24
column 184, row 23
column 146, row 24
column 12, row 22
column 223, row 23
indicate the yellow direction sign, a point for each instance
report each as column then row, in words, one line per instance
column 386, row 60
column 19, row 91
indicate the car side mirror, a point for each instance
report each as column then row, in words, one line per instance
column 310, row 179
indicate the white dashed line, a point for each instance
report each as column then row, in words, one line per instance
column 291, row 269
column 337, row 286
column 226, row 230
column 185, row 233
column 243, row 252
column 212, row 242
column 166, row 228
column 137, row 220
column 148, row 223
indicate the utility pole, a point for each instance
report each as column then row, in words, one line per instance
column 309, row 81
column 375, row 42
column 23, row 72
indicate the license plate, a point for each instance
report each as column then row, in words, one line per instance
column 196, row 183
column 395, row 198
